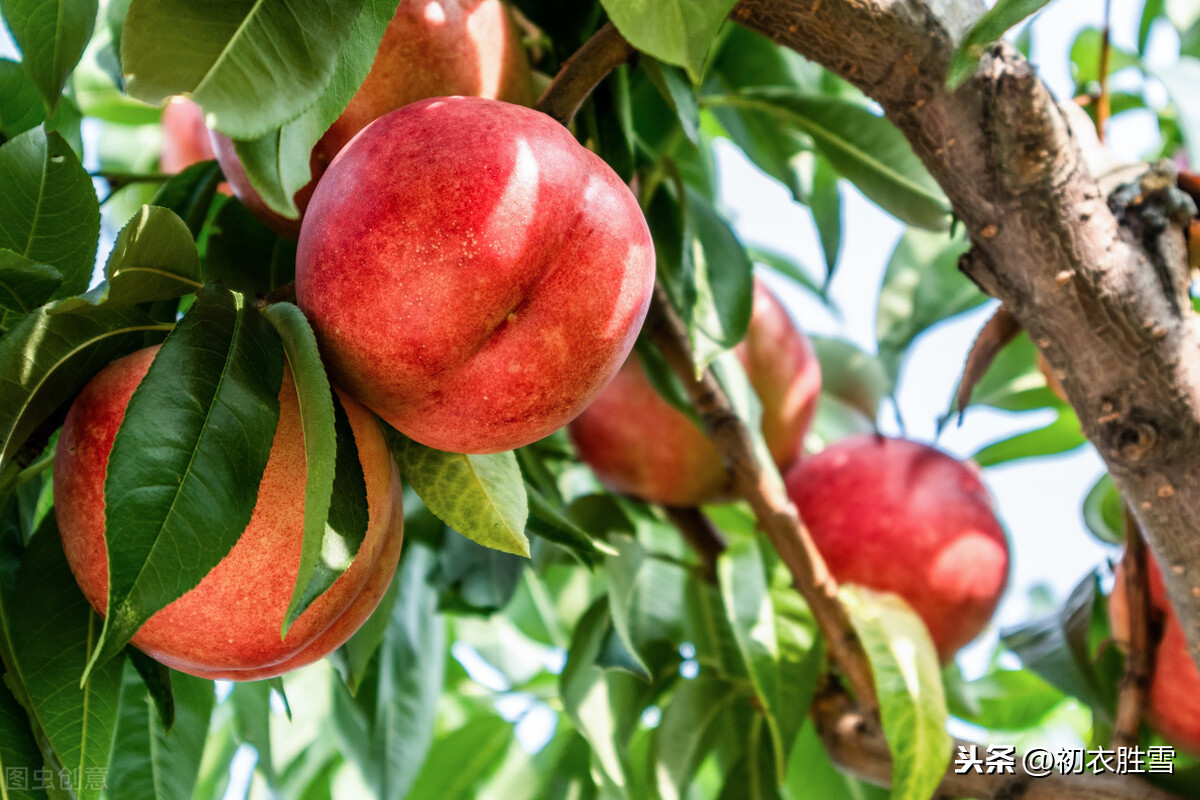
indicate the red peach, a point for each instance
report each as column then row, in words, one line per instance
column 898, row 516
column 473, row 274
column 638, row 444
column 228, row 625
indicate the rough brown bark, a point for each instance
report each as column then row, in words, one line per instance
column 1103, row 294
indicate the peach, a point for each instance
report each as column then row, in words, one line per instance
column 473, row 274
column 899, row 516
column 1174, row 701
column 185, row 137
column 228, row 625
column 638, row 444
column 431, row 48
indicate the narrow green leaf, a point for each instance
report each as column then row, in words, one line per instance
column 24, row 284
column 153, row 258
column 548, row 522
column 252, row 66
column 19, row 754
column 52, row 35
column 679, row 32
column 244, row 255
column 865, row 148
column 787, row 266
column 320, row 444
column 185, row 466
column 826, row 207
column 359, row 649
column 1104, row 511
column 149, row 761
column 909, row 683
column 1181, row 79
column 48, row 208
column 679, row 94
column 622, row 573
column 774, row 654
column 720, row 292
column 51, row 641
column 156, row 679
column 460, row 760
column 855, row 378
column 687, row 732
column 20, row 104
column 1061, row 435
column 277, row 162
column 480, row 496
column 190, row 194
column 474, row 579
column 45, row 360
column 922, row 286
column 984, row 33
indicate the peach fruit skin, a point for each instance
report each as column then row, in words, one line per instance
column 431, row 48
column 228, row 625
column 637, row 443
column 1174, row 702
column 473, row 274
column 898, row 516
column 185, row 137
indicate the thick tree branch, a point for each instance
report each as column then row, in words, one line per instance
column 1102, row 293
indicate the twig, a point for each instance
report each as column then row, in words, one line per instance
column 1144, row 633
column 583, row 71
column 1103, row 103
column 775, row 513
column 701, row 535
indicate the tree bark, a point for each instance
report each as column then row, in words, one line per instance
column 1102, row 291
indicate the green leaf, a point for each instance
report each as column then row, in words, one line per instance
column 1104, row 511
column 460, row 760
column 755, row 775
column 186, row 463
column 320, row 450
column 774, row 647
column 586, row 693
column 190, row 194
column 984, row 33
column 277, row 162
column 52, row 35
column 1085, row 58
column 679, row 94
column 1007, row 699
column 244, row 255
column 909, row 683
column 147, row 761
column 24, row 284
column 855, row 378
column 551, row 524
column 866, row 149
column 826, row 207
column 50, row 643
column 46, row 360
column 20, row 104
column 787, row 266
column 19, row 754
column 1069, row 648
column 154, row 258
column 686, row 733
column 396, row 705
column 356, row 654
column 480, row 496
column 156, row 678
column 622, row 573
column 1061, row 435
column 251, row 65
column 48, row 208
column 475, row 579
column 679, row 32
column 1181, row 79
column 922, row 286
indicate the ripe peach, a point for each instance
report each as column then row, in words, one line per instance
column 431, row 48
column 228, row 625
column 899, row 516
column 639, row 444
column 1174, row 703
column 185, row 137
column 473, row 274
